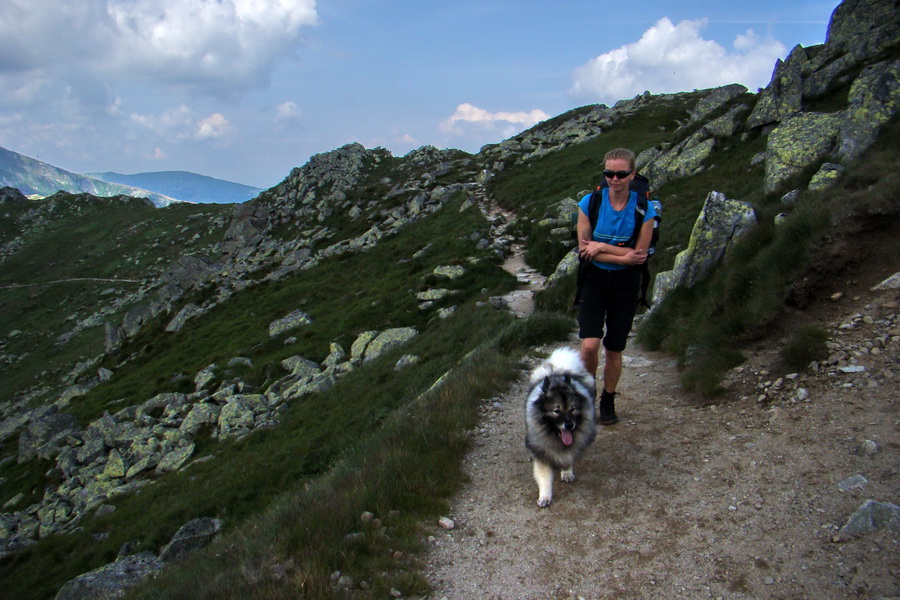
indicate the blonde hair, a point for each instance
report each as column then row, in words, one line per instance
column 620, row 154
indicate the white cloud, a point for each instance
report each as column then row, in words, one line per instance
column 287, row 112
column 471, row 117
column 675, row 58
column 181, row 124
column 217, row 45
column 213, row 127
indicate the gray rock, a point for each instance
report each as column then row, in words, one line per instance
column 300, row 367
column 720, row 223
column 190, row 538
column 110, row 582
column 291, row 321
column 176, row 459
column 871, row 516
column 200, row 414
column 799, row 141
column 873, row 100
column 388, row 340
column 189, row 311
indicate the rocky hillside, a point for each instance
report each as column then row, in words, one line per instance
column 142, row 344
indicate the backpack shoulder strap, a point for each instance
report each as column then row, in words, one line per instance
column 594, row 207
column 640, row 211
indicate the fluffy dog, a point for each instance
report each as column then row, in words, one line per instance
column 559, row 418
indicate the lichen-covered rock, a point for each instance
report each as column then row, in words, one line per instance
column 388, row 340
column 291, row 321
column 783, row 96
column 827, row 176
column 175, row 459
column 205, row 376
column 359, row 345
column 874, row 98
column 567, row 266
column 855, row 19
column 300, row 367
column 450, row 271
column 115, row 465
column 718, row 97
column 798, row 142
column 190, row 538
column 726, row 125
column 111, row 581
column 236, row 417
column 433, row 295
column 316, row 383
column 682, row 160
column 189, row 311
column 200, row 414
column 336, row 355
column 720, row 222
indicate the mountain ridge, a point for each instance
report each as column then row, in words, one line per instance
column 34, row 177
column 184, row 185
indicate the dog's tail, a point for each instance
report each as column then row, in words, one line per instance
column 564, row 362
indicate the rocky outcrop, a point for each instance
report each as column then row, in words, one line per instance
column 720, row 223
column 120, row 452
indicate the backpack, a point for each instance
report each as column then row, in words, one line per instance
column 641, row 185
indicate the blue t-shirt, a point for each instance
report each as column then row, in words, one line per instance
column 614, row 227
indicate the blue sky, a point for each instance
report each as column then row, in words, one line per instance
column 246, row 90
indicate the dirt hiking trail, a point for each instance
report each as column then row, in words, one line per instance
column 743, row 499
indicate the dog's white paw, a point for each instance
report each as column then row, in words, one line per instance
column 568, row 475
column 544, row 501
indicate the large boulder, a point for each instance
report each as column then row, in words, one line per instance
column 111, row 581
column 288, row 322
column 388, row 340
column 854, row 21
column 799, row 142
column 190, row 538
column 720, row 223
column 784, row 94
column 874, row 99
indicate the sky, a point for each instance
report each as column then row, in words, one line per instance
column 246, row 90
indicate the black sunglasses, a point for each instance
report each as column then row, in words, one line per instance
column 614, row 174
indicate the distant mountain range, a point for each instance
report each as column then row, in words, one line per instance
column 36, row 178
column 185, row 186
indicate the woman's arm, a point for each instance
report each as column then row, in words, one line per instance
column 607, row 253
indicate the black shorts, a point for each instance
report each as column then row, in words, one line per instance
column 609, row 297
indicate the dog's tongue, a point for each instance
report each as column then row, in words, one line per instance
column 566, row 437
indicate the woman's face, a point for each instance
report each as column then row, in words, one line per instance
column 619, row 165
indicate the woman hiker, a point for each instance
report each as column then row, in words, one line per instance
column 612, row 283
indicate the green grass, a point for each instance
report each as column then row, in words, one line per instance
column 806, row 344
column 342, row 295
column 47, row 286
column 390, row 438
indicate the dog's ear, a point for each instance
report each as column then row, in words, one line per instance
column 545, row 387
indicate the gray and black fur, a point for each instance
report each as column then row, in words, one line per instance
column 559, row 418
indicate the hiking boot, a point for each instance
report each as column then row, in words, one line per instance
column 607, row 413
